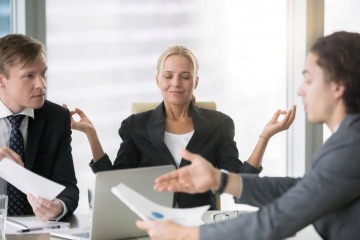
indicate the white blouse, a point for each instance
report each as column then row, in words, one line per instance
column 175, row 142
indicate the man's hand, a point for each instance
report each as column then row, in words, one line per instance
column 6, row 152
column 168, row 230
column 45, row 210
column 199, row 176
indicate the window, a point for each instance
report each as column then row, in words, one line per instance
column 4, row 17
column 102, row 57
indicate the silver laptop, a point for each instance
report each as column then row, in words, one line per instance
column 111, row 218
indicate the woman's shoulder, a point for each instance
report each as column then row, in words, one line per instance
column 213, row 113
column 139, row 117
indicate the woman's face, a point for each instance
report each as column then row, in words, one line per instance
column 176, row 80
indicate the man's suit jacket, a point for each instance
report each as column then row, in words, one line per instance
column 328, row 196
column 143, row 146
column 48, row 151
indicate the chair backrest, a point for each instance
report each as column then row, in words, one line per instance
column 138, row 107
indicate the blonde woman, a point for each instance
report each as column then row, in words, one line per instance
column 154, row 137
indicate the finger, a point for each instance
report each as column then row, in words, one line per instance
column 144, row 225
column 293, row 111
column 168, row 186
column 33, row 203
column 286, row 121
column 44, row 203
column 289, row 118
column 65, row 106
column 31, row 199
column 188, row 155
column 12, row 155
column 42, row 208
column 175, row 186
column 276, row 115
column 167, row 177
column 81, row 113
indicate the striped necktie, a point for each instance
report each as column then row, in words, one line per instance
column 17, row 199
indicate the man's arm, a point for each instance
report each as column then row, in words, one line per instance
column 64, row 171
column 293, row 204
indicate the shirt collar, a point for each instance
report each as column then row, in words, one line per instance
column 335, row 128
column 4, row 111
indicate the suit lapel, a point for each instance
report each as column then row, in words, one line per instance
column 35, row 128
column 156, row 129
column 202, row 127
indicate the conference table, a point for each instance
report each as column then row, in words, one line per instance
column 82, row 220
column 76, row 220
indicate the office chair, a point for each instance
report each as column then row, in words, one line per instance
column 138, row 107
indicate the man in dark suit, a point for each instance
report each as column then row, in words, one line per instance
column 328, row 196
column 34, row 132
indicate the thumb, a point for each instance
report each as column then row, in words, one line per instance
column 188, row 155
column 144, row 225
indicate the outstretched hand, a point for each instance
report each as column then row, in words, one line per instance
column 199, row 176
column 84, row 124
column 274, row 126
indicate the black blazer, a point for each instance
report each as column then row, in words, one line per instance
column 48, row 151
column 143, row 145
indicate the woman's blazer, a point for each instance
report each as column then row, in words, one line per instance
column 143, row 145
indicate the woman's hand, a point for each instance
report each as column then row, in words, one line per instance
column 274, row 126
column 84, row 124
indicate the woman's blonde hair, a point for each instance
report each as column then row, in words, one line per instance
column 181, row 51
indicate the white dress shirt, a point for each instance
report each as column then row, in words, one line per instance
column 5, row 129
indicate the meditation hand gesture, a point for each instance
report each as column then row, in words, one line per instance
column 274, row 126
column 84, row 124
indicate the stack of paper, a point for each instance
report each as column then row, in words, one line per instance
column 148, row 210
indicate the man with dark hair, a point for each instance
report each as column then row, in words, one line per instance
column 34, row 132
column 328, row 196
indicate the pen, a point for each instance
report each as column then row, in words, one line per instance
column 39, row 228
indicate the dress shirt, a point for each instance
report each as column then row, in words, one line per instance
column 5, row 129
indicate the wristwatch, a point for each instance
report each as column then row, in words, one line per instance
column 223, row 181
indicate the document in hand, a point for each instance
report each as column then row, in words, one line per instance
column 148, row 210
column 27, row 181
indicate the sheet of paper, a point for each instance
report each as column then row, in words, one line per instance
column 148, row 210
column 27, row 181
column 15, row 224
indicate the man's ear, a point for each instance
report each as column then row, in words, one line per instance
column 339, row 90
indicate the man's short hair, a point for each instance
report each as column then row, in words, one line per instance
column 339, row 57
column 18, row 48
